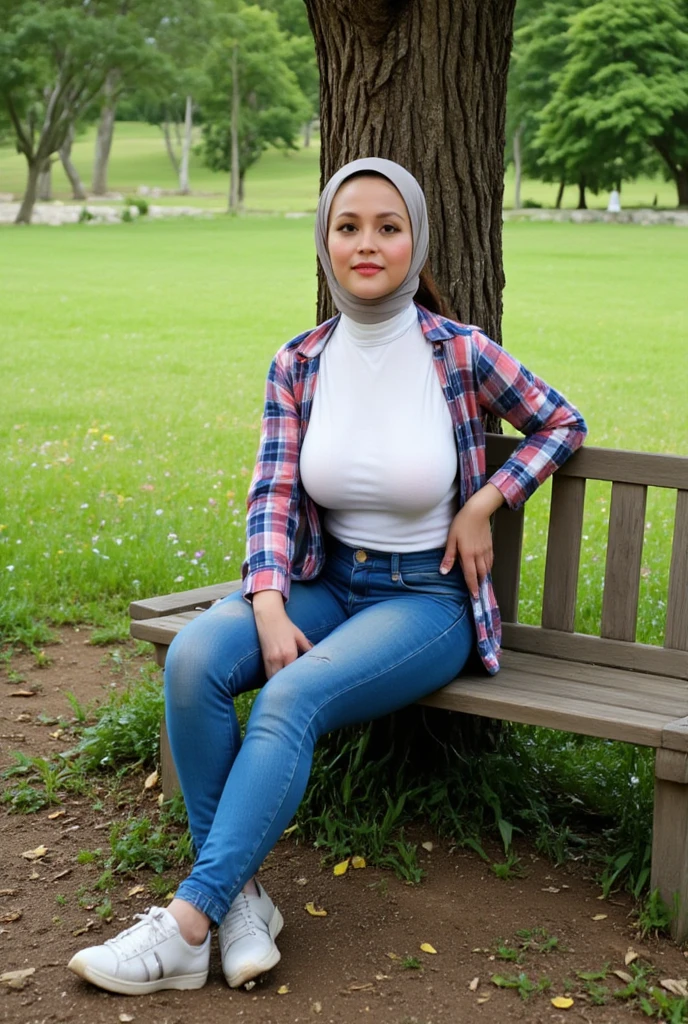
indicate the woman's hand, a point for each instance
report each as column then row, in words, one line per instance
column 470, row 537
column 281, row 641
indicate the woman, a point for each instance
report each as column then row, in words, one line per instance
column 367, row 579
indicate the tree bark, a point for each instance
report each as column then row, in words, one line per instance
column 234, row 173
column 682, row 185
column 78, row 190
column 424, row 83
column 582, row 205
column 44, row 188
column 560, row 195
column 186, row 148
column 517, row 167
column 106, row 127
column 169, row 146
column 29, row 199
column 307, row 132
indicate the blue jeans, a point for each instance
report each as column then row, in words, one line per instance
column 387, row 629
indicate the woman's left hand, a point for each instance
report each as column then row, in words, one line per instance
column 470, row 538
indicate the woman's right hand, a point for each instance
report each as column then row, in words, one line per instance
column 281, row 641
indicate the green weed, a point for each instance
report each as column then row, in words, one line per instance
column 411, row 963
column 508, row 869
column 522, row 984
column 654, row 916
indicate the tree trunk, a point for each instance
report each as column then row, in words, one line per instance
column 307, row 132
column 44, row 187
column 681, row 177
column 242, row 185
column 169, row 146
column 234, row 173
column 582, row 205
column 424, row 83
column 78, row 190
column 517, row 167
column 560, row 195
column 29, row 200
column 186, row 148
column 106, row 127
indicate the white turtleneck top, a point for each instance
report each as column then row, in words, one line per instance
column 379, row 454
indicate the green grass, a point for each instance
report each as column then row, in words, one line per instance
column 279, row 182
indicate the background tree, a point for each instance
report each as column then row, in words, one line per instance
column 300, row 53
column 271, row 106
column 623, row 89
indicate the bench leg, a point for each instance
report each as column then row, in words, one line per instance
column 670, row 836
column 170, row 781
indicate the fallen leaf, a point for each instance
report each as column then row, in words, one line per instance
column 249, row 985
column 12, row 915
column 62, row 874
column 562, row 1002
column 382, row 977
column 631, row 955
column 288, row 831
column 340, row 869
column 358, row 862
column 314, row 912
column 151, row 781
column 34, row 875
column 677, row 986
column 427, row 948
column 36, row 854
column 283, row 990
column 86, row 928
column 7, row 892
column 473, row 985
column 550, row 888
column 301, row 881
column 161, row 799
column 17, row 979
column 136, row 890
column 125, row 1018
column 316, row 1007
column 23, row 717
column 599, row 917
column 22, row 693
column 360, row 986
column 428, row 846
column 394, row 956
column 483, row 999
column 55, row 735
column 56, row 814
column 625, row 976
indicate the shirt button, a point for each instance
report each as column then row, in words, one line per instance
column 361, row 556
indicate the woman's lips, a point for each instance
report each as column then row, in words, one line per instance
column 367, row 269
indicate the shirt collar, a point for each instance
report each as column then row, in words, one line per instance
column 433, row 326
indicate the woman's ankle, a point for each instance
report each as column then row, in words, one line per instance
column 193, row 923
column 251, row 887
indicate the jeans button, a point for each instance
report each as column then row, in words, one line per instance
column 361, row 556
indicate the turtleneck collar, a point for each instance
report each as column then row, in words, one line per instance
column 382, row 333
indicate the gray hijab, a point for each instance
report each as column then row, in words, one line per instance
column 374, row 311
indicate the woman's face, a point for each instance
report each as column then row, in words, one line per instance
column 369, row 237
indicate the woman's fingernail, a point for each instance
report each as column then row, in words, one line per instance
column 444, row 570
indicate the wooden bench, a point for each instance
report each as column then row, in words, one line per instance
column 607, row 685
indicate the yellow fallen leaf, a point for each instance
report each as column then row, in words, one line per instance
column 360, row 986
column 625, row 976
column 288, row 831
column 394, row 956
column 161, row 799
column 340, row 869
column 358, row 862
column 55, row 735
column 631, row 955
column 151, row 781
column 56, row 814
column 316, row 1007
column 36, row 854
column 382, row 977
column 427, row 948
column 483, row 999
column 86, row 928
column 677, row 986
column 599, row 917
column 428, row 846
column 562, row 1002
column 17, row 979
column 283, row 990
column 311, row 908
column 472, row 985
column 125, row 1018
column 136, row 890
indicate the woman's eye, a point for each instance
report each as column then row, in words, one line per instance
column 389, row 229
column 347, row 228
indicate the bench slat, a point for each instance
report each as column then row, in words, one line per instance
column 595, row 650
column 183, row 601
column 162, row 630
column 563, row 553
column 624, row 555
column 507, row 541
column 676, row 634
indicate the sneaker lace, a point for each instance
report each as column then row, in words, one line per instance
column 239, row 921
column 149, row 929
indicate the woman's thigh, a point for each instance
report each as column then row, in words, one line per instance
column 383, row 658
column 221, row 648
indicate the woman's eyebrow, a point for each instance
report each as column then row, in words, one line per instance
column 379, row 216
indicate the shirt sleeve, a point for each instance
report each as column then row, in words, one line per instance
column 272, row 500
column 553, row 427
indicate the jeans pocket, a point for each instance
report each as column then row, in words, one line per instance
column 432, row 581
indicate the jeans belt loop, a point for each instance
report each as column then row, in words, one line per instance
column 395, row 567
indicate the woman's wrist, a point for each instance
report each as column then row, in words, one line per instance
column 486, row 501
column 267, row 602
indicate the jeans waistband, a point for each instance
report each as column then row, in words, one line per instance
column 396, row 560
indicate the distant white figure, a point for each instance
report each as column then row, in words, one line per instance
column 614, row 202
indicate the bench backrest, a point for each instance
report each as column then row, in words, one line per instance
column 630, row 474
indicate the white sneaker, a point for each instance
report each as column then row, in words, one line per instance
column 247, row 937
column 149, row 956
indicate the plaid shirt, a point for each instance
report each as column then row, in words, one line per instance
column 284, row 532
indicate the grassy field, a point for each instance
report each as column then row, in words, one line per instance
column 133, row 359
column 279, row 182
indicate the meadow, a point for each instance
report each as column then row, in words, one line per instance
column 132, row 361
column 279, row 182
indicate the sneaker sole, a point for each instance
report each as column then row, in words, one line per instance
column 252, row 970
column 135, row 988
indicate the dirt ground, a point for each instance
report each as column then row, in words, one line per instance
column 348, row 966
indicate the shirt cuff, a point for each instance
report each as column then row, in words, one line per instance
column 266, row 579
column 511, row 490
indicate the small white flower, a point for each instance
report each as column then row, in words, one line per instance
column 95, row 551
column 10, row 568
column 171, row 536
column 158, row 511
column 179, row 579
column 18, row 542
column 118, row 541
column 136, row 583
column 85, row 505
